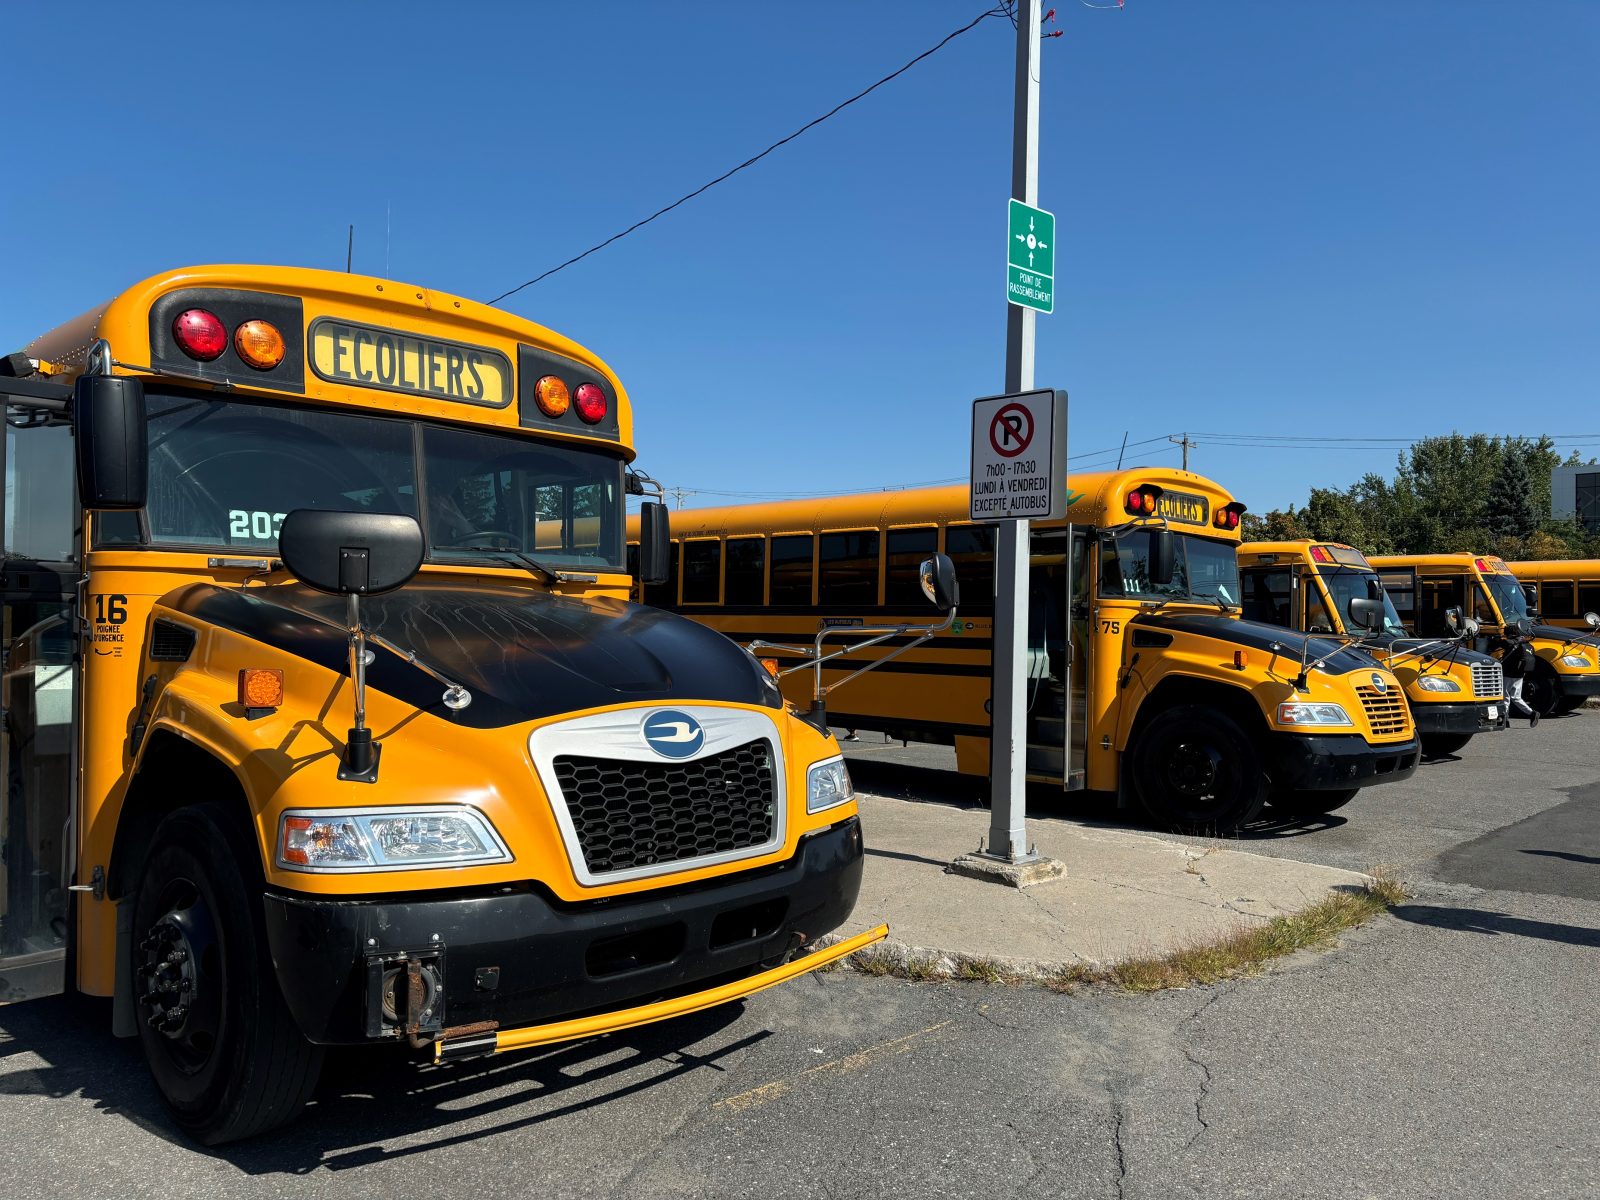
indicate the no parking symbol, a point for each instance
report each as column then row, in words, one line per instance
column 1010, row 430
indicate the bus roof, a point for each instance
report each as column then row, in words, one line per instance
column 1306, row 550
column 1484, row 563
column 1557, row 568
column 1095, row 499
column 467, row 357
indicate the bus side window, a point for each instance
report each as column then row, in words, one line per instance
column 1440, row 593
column 847, row 571
column 791, row 569
column 702, row 571
column 971, row 549
column 1588, row 598
column 1317, row 619
column 746, row 571
column 1556, row 600
column 905, row 551
column 40, row 504
column 1266, row 595
column 1398, row 586
column 665, row 595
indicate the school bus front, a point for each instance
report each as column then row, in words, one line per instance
column 1454, row 693
column 473, row 801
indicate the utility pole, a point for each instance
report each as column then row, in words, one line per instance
column 679, row 493
column 1185, row 443
column 1008, row 741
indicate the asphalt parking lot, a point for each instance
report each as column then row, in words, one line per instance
column 1450, row 1049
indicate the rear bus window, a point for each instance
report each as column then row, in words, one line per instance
column 849, row 569
column 791, row 569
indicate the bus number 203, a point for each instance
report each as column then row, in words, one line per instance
column 257, row 526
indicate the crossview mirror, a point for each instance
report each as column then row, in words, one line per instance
column 1452, row 619
column 1591, row 620
column 1366, row 613
column 939, row 585
column 1471, row 629
column 655, row 543
column 352, row 554
column 1163, row 556
column 108, row 420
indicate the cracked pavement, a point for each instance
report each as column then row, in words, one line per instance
column 1451, row 1049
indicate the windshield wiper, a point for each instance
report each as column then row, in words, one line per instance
column 528, row 562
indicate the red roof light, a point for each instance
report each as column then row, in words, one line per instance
column 200, row 334
column 590, row 402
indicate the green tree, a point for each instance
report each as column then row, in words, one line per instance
column 1511, row 515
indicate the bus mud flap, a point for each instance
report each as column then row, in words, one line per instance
column 469, row 1046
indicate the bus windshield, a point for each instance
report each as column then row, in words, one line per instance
column 223, row 474
column 1345, row 586
column 1508, row 596
column 1206, row 570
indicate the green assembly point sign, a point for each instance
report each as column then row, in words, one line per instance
column 1031, row 257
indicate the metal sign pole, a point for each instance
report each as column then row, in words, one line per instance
column 1008, row 745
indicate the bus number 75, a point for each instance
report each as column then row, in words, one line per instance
column 1110, row 626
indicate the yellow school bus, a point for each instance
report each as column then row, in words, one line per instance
column 1428, row 588
column 328, row 718
column 1174, row 700
column 1563, row 592
column 1454, row 692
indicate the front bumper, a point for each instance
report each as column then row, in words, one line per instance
column 1327, row 762
column 1468, row 718
column 1578, row 685
column 515, row 957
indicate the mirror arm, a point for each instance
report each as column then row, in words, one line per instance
column 880, row 633
column 360, row 761
column 456, row 697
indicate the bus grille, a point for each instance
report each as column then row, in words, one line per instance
column 630, row 814
column 1386, row 711
column 1488, row 679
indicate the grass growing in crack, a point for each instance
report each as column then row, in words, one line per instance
column 1243, row 952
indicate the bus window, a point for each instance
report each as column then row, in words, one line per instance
column 747, row 566
column 665, row 595
column 702, row 572
column 1317, row 618
column 41, row 507
column 848, row 569
column 1400, row 586
column 1440, row 593
column 1266, row 595
column 791, row 569
column 1588, row 598
column 971, row 549
column 904, row 555
column 1556, row 600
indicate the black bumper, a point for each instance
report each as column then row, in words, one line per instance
column 1327, row 762
column 1459, row 718
column 520, row 957
column 1578, row 685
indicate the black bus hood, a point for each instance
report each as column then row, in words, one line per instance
column 522, row 652
column 1337, row 659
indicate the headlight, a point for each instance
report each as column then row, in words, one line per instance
column 1437, row 683
column 387, row 839
column 1574, row 660
column 1305, row 713
column 828, row 785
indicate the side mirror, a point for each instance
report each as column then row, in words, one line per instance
column 939, row 584
column 108, row 419
column 655, row 543
column 1591, row 620
column 350, row 553
column 1524, row 626
column 1163, row 556
column 1366, row 613
column 1452, row 619
column 1471, row 629
column 1374, row 589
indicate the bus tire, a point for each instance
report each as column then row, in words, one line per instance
column 1565, row 705
column 225, row 1053
column 1198, row 772
column 1312, row 804
column 1540, row 691
column 1441, row 745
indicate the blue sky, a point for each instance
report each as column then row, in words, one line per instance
column 1324, row 219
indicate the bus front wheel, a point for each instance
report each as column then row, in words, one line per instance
column 1312, row 804
column 1540, row 691
column 224, row 1051
column 1440, row 745
column 1198, row 772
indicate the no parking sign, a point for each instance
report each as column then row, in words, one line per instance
column 1019, row 456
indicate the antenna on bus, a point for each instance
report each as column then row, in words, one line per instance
column 349, row 249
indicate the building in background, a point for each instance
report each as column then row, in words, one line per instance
column 1575, row 492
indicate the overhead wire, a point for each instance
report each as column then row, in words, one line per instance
column 998, row 10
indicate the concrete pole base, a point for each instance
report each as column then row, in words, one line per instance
column 1021, row 873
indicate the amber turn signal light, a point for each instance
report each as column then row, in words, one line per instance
column 260, row 688
column 771, row 664
column 551, row 394
column 260, row 344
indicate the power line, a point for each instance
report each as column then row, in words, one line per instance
column 998, row 10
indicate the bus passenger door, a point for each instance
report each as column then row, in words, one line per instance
column 38, row 710
column 1078, row 643
column 1048, row 656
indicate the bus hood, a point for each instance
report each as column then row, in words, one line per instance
column 522, row 652
column 1556, row 633
column 1337, row 659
